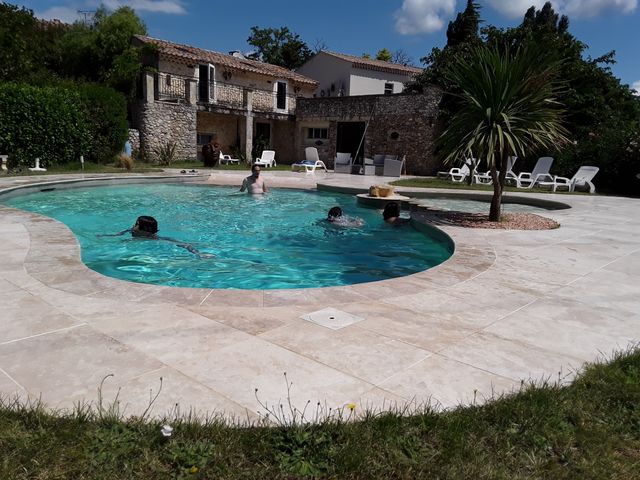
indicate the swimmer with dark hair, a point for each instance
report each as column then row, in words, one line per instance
column 391, row 214
column 336, row 217
column 147, row 227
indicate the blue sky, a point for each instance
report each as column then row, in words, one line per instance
column 359, row 26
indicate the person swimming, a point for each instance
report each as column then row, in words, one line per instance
column 336, row 217
column 253, row 183
column 147, row 227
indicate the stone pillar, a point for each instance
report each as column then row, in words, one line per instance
column 248, row 127
column 190, row 91
column 148, row 91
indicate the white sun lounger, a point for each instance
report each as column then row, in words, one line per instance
column 311, row 162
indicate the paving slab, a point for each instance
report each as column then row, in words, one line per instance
column 507, row 307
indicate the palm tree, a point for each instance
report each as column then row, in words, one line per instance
column 506, row 105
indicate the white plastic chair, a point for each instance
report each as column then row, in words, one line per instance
column 392, row 167
column 226, row 159
column 486, row 179
column 343, row 163
column 267, row 159
column 311, row 162
column 540, row 173
column 582, row 179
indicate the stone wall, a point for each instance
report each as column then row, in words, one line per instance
column 161, row 122
column 403, row 124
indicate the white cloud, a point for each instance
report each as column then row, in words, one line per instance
column 64, row 14
column 69, row 13
column 157, row 6
column 423, row 16
column 573, row 8
column 636, row 86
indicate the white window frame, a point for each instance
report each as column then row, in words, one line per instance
column 386, row 84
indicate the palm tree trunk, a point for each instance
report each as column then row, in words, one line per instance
column 498, row 187
column 494, row 211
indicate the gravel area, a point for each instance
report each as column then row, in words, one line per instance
column 508, row 221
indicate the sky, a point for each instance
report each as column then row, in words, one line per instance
column 364, row 26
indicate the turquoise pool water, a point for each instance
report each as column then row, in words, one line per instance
column 273, row 241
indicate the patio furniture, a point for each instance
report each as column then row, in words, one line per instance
column 3, row 162
column 378, row 162
column 342, row 163
column 540, row 173
column 267, row 159
column 393, row 168
column 311, row 162
column 485, row 178
column 226, row 159
column 37, row 168
column 581, row 180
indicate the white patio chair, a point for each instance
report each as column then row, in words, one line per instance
column 540, row 173
column 343, row 163
column 226, row 159
column 393, row 168
column 581, row 180
column 310, row 163
column 267, row 159
column 486, row 179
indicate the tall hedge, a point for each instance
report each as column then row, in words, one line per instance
column 60, row 123
column 106, row 114
column 45, row 122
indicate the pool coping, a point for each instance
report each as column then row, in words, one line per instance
column 542, row 272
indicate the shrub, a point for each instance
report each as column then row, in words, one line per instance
column 106, row 113
column 45, row 122
column 124, row 161
column 165, row 154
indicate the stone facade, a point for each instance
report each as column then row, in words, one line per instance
column 404, row 124
column 160, row 123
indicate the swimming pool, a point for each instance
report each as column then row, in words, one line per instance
column 266, row 242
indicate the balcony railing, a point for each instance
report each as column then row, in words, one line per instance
column 170, row 87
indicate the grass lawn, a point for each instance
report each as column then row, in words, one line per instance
column 588, row 430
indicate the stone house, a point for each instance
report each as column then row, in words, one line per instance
column 340, row 75
column 191, row 95
column 404, row 124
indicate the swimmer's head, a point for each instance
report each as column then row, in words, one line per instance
column 334, row 213
column 145, row 226
column 391, row 210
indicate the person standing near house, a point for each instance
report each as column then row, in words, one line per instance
column 209, row 155
column 253, row 183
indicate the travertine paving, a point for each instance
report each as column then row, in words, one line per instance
column 508, row 306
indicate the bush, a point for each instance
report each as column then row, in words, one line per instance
column 124, row 161
column 165, row 154
column 45, row 122
column 106, row 114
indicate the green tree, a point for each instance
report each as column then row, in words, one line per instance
column 279, row 47
column 603, row 116
column 384, row 55
column 28, row 46
column 506, row 105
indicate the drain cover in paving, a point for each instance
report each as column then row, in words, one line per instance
column 331, row 318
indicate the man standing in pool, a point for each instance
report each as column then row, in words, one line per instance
column 147, row 227
column 253, row 183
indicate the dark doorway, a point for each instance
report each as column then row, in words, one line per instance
column 205, row 74
column 350, row 134
column 261, row 139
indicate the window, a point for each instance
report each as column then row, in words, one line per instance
column 317, row 133
column 168, row 80
column 388, row 88
column 204, row 138
column 281, row 96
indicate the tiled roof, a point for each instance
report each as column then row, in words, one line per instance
column 188, row 52
column 370, row 64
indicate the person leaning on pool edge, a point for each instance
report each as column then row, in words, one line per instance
column 391, row 214
column 253, row 183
